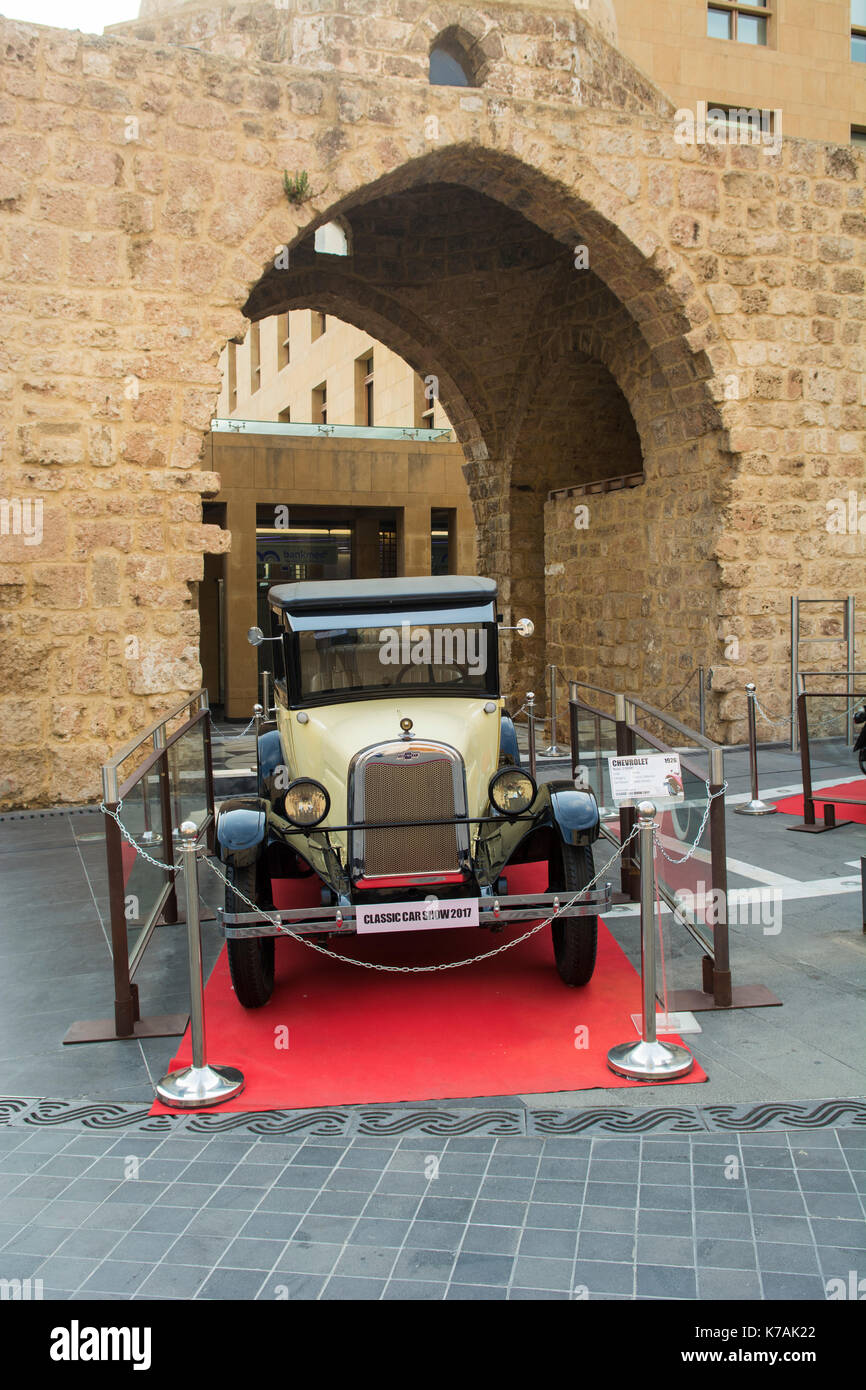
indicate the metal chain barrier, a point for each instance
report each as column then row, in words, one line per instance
column 230, row 738
column 130, row 839
column 422, row 969
column 419, row 969
column 675, row 697
column 764, row 715
column 711, row 796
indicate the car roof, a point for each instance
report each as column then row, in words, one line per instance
column 358, row 595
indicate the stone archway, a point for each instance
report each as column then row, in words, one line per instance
column 540, row 363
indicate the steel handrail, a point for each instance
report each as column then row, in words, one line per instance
column 200, row 698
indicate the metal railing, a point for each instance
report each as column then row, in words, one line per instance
column 702, row 763
column 829, row 822
column 171, row 781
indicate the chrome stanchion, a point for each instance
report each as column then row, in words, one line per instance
column 530, row 719
column 648, row 1059
column 198, row 1084
column 702, row 701
column 755, row 807
column 553, row 750
column 266, row 693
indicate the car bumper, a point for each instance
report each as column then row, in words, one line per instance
column 340, row 921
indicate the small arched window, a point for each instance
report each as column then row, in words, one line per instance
column 332, row 239
column 449, row 63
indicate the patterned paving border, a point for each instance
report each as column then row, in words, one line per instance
column 444, row 1122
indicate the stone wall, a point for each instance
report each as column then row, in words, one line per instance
column 142, row 202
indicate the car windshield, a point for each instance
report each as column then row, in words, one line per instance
column 450, row 657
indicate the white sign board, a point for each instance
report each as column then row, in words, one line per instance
column 654, row 777
column 434, row 912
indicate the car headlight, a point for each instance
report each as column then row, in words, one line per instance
column 512, row 791
column 306, row 802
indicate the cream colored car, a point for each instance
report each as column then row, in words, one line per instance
column 391, row 795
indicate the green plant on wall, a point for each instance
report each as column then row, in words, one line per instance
column 297, row 188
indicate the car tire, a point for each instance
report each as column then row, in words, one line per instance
column 575, row 939
column 862, row 759
column 251, row 959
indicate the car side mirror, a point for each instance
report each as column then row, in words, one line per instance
column 525, row 627
column 255, row 637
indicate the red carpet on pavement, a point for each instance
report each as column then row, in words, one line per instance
column 793, row 805
column 503, row 1027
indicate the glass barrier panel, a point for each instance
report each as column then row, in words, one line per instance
column 143, row 882
column 597, row 743
column 679, row 828
column 186, row 763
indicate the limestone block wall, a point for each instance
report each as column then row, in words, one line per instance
column 141, row 203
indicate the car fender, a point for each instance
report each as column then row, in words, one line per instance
column 271, row 757
column 574, row 813
column 240, row 830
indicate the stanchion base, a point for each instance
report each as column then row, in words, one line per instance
column 756, row 808
column 554, row 751
column 195, row 1086
column 650, row 1061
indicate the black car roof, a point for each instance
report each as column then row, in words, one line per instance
column 358, row 595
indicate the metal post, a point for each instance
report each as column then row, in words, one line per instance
column 702, row 702
column 258, row 716
column 649, row 1059
column 553, row 750
column 756, row 807
column 530, row 717
column 266, row 693
column 199, row 1084
column 849, row 683
column 574, row 727
column 795, row 667
column 863, row 889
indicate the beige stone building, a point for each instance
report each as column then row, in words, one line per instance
column 661, row 328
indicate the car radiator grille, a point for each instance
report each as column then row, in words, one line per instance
column 406, row 792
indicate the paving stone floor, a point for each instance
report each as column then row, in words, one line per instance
column 770, row 1210
column 769, row 1216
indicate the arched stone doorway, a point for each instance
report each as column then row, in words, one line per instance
column 561, row 358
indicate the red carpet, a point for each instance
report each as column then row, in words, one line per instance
column 793, row 805
column 504, row 1027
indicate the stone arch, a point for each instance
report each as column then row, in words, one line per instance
column 624, row 326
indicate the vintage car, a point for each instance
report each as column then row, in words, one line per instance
column 391, row 793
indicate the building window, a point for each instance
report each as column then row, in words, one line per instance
column 740, row 124
column 858, row 31
column 255, row 358
column 387, row 549
column 285, row 416
column 368, row 391
column 283, row 350
column 332, row 239
column 858, row 135
column 742, row 23
column 233, row 376
column 320, row 404
column 318, row 324
column 449, row 62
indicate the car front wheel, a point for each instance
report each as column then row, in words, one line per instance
column 251, row 958
column 575, row 939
